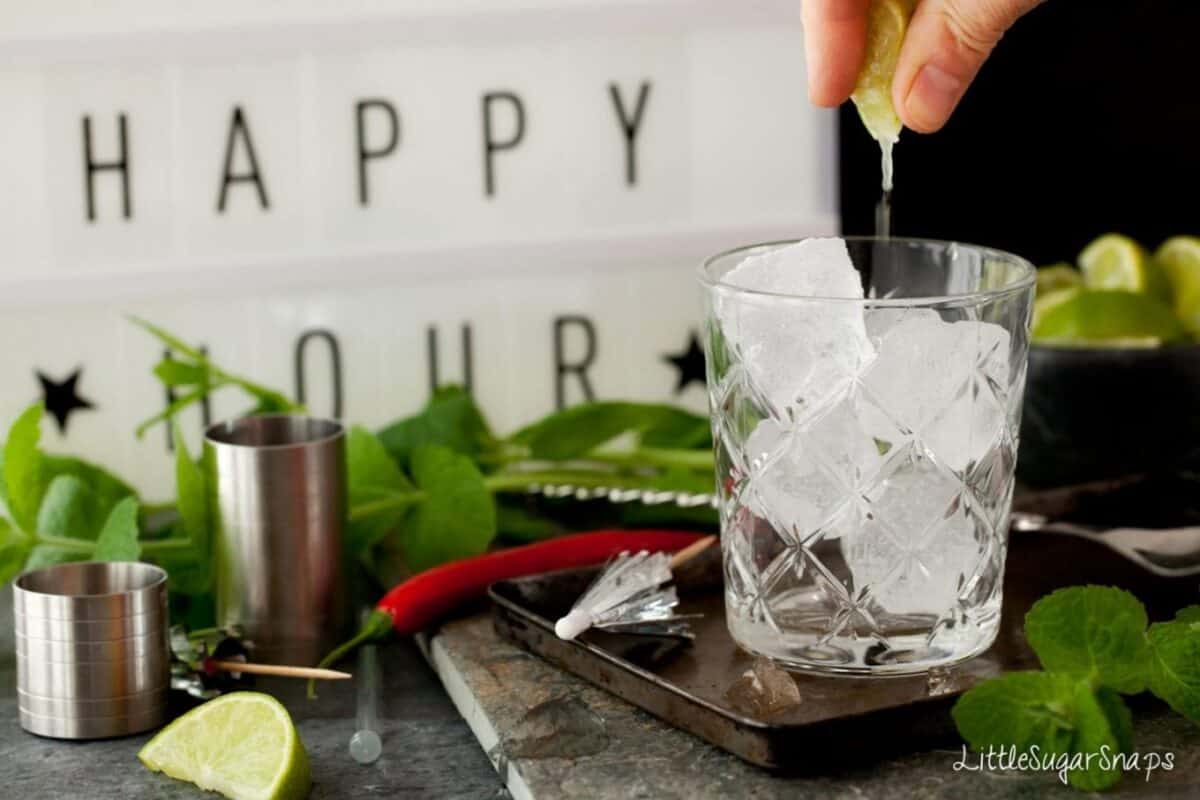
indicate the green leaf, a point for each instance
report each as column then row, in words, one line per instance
column 1097, row 632
column 14, row 547
column 450, row 419
column 118, row 539
column 170, row 340
column 191, row 570
column 374, row 479
column 47, row 555
column 1175, row 662
column 172, row 372
column 1188, row 614
column 680, row 430
column 23, row 468
column 576, row 431
column 1104, row 728
column 107, row 488
column 69, row 508
column 173, row 408
column 1021, row 710
column 519, row 523
column 457, row 519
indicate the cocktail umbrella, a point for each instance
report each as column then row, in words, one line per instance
column 630, row 595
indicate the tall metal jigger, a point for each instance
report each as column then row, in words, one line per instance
column 280, row 506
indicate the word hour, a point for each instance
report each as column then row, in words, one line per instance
column 378, row 125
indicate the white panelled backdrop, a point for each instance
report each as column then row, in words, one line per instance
column 546, row 174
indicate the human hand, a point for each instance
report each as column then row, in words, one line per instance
column 946, row 44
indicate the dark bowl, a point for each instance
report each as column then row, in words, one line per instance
column 1097, row 413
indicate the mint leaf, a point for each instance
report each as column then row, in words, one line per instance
column 172, row 372
column 457, row 517
column 14, row 547
column 1175, row 662
column 515, row 521
column 23, row 468
column 47, row 555
column 171, row 341
column 1188, row 614
column 107, row 488
column 190, row 567
column 118, row 539
column 450, row 419
column 69, row 509
column 1104, row 728
column 1096, row 632
column 1021, row 710
column 378, row 490
column 679, row 429
column 576, row 431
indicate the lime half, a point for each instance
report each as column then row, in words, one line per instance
column 1107, row 318
column 242, row 745
column 1179, row 259
column 1117, row 262
column 886, row 26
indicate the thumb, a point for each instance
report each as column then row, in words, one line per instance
column 946, row 44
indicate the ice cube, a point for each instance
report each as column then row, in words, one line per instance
column 798, row 354
column 916, row 544
column 764, row 690
column 944, row 382
column 801, row 478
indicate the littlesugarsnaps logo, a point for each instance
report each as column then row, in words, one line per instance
column 1007, row 759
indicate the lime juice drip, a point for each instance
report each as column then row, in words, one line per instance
column 886, row 148
column 883, row 211
column 883, row 215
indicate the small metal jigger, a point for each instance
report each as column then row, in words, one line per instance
column 92, row 657
column 280, row 507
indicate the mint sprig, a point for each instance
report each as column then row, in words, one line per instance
column 1094, row 645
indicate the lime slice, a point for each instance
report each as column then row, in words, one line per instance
column 242, row 745
column 886, row 26
column 1057, row 276
column 1179, row 259
column 1117, row 262
column 1106, row 318
column 1050, row 300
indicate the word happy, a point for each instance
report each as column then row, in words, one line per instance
column 378, row 127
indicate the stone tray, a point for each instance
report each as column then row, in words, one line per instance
column 837, row 718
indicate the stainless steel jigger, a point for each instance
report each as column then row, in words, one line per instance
column 281, row 504
column 92, row 655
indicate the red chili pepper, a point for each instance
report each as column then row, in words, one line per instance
column 423, row 598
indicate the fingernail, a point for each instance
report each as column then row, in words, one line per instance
column 932, row 98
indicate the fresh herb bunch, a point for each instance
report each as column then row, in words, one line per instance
column 64, row 509
column 432, row 487
column 1094, row 645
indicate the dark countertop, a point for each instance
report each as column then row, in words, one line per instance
column 428, row 751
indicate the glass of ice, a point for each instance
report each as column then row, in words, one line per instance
column 865, row 398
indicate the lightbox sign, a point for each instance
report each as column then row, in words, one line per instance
column 353, row 207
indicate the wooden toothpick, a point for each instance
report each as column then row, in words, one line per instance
column 277, row 670
column 692, row 550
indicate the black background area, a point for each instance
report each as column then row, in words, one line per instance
column 1085, row 120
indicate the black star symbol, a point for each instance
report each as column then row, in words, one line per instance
column 690, row 364
column 61, row 398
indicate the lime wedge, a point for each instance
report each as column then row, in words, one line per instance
column 886, row 26
column 1107, row 318
column 1179, row 259
column 1117, row 262
column 1049, row 300
column 1056, row 277
column 242, row 745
